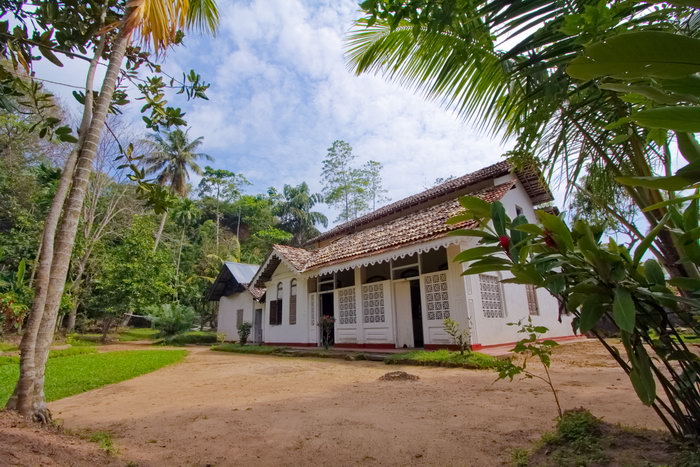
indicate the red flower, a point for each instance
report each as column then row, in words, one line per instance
column 504, row 240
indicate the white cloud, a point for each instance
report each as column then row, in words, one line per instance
column 281, row 93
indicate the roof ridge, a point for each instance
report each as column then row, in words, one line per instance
column 416, row 199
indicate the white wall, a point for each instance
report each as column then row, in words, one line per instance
column 286, row 333
column 490, row 331
column 228, row 306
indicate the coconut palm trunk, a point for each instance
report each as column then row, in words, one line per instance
column 21, row 399
column 159, row 233
column 30, row 396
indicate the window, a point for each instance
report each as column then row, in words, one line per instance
column 293, row 302
column 239, row 318
column 436, row 296
column 532, row 305
column 433, row 261
column 276, row 308
column 491, row 298
column 518, row 211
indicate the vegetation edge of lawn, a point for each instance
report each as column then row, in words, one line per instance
column 75, row 374
column 444, row 358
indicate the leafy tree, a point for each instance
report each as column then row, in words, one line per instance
column 296, row 215
column 374, row 191
column 172, row 158
column 155, row 24
column 132, row 276
column 344, row 186
column 185, row 214
column 223, row 186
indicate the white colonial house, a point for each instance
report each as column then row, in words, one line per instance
column 389, row 279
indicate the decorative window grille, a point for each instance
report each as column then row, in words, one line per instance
column 346, row 299
column 313, row 298
column 436, row 296
column 532, row 305
column 293, row 302
column 373, row 303
column 239, row 318
column 491, row 299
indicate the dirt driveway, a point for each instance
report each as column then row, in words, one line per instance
column 228, row 409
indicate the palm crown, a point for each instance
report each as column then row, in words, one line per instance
column 173, row 158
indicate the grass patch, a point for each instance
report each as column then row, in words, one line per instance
column 14, row 359
column 103, row 440
column 81, row 340
column 443, row 357
column 136, row 334
column 581, row 439
column 191, row 337
column 8, row 347
column 254, row 349
column 79, row 373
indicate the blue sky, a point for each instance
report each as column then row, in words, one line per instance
column 281, row 93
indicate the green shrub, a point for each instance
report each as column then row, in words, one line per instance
column 244, row 332
column 192, row 337
column 171, row 318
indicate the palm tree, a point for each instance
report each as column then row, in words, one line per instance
column 172, row 159
column 185, row 214
column 503, row 66
column 156, row 23
column 296, row 215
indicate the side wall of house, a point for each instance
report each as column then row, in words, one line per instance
column 490, row 325
column 286, row 333
column 227, row 319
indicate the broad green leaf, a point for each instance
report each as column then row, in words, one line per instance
column 688, row 146
column 476, row 206
column 650, row 92
column 530, row 228
column 476, row 252
column 649, row 239
column 592, row 310
column 472, row 233
column 644, row 385
column 653, row 272
column 558, row 228
column 555, row 284
column 498, row 216
column 685, row 283
column 684, row 119
column 671, row 183
column 623, row 310
column 670, row 202
column 639, row 54
column 459, row 219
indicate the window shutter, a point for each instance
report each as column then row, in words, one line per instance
column 293, row 309
column 279, row 312
column 273, row 312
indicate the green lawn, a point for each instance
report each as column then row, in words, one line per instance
column 256, row 349
column 7, row 347
column 444, row 358
column 79, row 373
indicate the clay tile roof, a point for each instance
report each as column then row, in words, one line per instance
column 417, row 226
column 421, row 225
column 530, row 178
column 296, row 257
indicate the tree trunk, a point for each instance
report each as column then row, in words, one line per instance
column 31, row 403
column 159, row 233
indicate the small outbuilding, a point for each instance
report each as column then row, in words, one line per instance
column 237, row 301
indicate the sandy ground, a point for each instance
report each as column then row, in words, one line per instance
column 227, row 409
